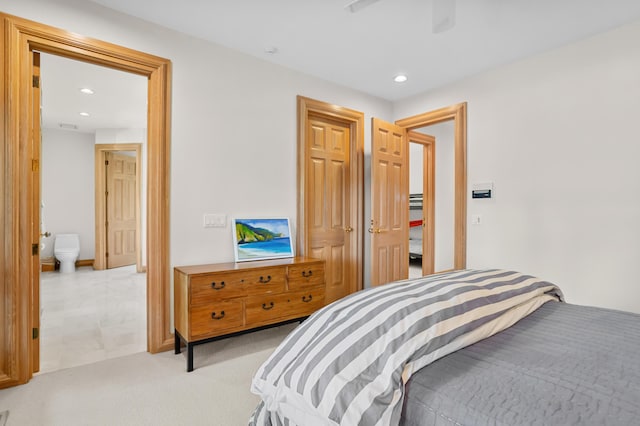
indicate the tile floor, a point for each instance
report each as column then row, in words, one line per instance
column 89, row 316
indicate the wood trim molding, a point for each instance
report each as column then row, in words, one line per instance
column 355, row 120
column 457, row 113
column 19, row 37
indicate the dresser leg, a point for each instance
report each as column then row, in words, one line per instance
column 189, row 357
column 176, row 341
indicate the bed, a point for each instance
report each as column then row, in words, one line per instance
column 416, row 216
column 473, row 347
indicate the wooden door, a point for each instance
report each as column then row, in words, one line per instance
column 328, row 195
column 428, row 144
column 330, row 192
column 389, row 226
column 34, row 185
column 121, row 210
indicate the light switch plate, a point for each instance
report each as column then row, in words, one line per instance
column 215, row 220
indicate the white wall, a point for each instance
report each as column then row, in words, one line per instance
column 233, row 124
column 68, row 181
column 553, row 132
column 556, row 134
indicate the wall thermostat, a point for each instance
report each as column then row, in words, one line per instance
column 482, row 190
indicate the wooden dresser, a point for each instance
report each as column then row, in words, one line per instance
column 220, row 300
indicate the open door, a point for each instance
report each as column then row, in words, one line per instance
column 389, row 227
column 35, row 140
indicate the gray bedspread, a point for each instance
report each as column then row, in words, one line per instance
column 562, row 365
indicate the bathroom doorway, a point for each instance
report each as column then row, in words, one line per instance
column 89, row 315
column 21, row 212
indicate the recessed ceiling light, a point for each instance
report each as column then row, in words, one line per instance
column 400, row 78
column 84, row 114
column 87, row 91
column 271, row 50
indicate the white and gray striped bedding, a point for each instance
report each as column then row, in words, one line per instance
column 347, row 364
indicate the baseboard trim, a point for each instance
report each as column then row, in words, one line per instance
column 50, row 264
column 85, row 262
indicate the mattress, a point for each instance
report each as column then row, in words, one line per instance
column 561, row 365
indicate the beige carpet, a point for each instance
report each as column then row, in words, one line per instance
column 145, row 389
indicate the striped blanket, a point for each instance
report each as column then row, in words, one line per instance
column 347, row 364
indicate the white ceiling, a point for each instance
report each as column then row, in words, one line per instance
column 119, row 101
column 365, row 50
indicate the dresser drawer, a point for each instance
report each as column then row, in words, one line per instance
column 264, row 309
column 305, row 302
column 264, row 281
column 311, row 274
column 212, row 287
column 214, row 318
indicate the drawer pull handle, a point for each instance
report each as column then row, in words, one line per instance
column 217, row 317
column 305, row 300
column 213, row 286
column 263, row 280
column 307, row 274
column 267, row 307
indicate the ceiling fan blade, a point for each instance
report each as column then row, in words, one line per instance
column 444, row 15
column 357, row 5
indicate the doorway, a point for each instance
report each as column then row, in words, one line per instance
column 454, row 124
column 390, row 192
column 89, row 315
column 422, row 196
column 20, row 318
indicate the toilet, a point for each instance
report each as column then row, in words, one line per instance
column 66, row 249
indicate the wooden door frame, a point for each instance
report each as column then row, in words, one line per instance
column 100, row 261
column 428, row 143
column 457, row 113
column 19, row 37
column 355, row 121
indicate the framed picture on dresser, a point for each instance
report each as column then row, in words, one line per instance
column 262, row 238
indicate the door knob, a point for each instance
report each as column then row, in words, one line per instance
column 46, row 234
column 348, row 229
